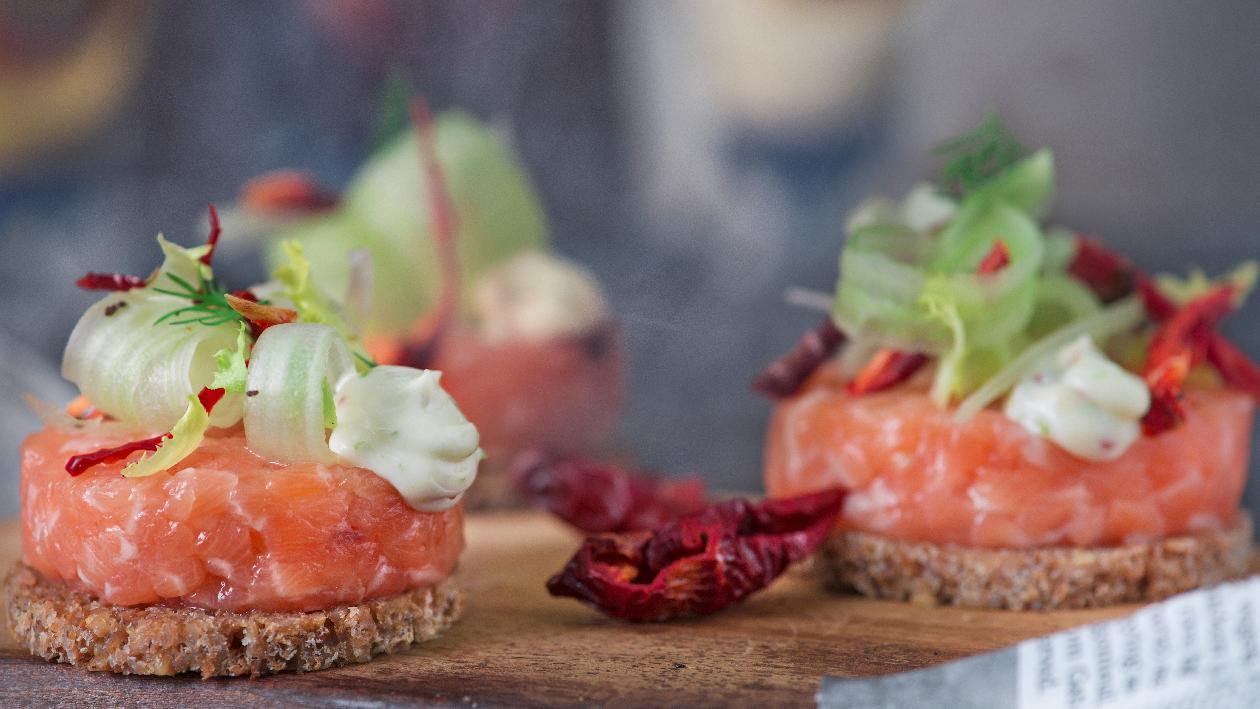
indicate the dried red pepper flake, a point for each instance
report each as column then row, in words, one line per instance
column 109, row 281
column 997, row 259
column 1234, row 366
column 1182, row 341
column 787, row 374
column 1166, row 383
column 79, row 464
column 1158, row 306
column 287, row 192
column 209, row 397
column 887, row 368
column 599, row 497
column 216, row 230
column 1190, row 329
column 699, row 564
column 1108, row 274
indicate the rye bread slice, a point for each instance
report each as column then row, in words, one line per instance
column 1033, row 579
column 60, row 624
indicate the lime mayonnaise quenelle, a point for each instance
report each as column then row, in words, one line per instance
column 1087, row 404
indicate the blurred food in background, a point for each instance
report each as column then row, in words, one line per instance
column 525, row 339
column 66, row 67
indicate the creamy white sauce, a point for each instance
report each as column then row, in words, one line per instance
column 537, row 296
column 399, row 423
column 1081, row 400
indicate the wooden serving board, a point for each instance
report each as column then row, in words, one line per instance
column 518, row 646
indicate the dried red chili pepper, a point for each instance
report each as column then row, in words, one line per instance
column 887, row 368
column 425, row 338
column 286, row 192
column 785, row 376
column 109, row 281
column 1181, row 342
column 699, row 564
column 599, row 497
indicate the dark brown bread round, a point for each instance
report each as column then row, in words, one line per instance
column 1033, row 579
column 63, row 625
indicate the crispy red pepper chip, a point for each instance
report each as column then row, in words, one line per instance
column 600, row 497
column 701, row 563
column 887, row 368
column 787, row 374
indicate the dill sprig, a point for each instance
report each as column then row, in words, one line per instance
column 209, row 305
column 367, row 361
column 975, row 157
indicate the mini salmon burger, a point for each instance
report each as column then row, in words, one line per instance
column 1022, row 418
column 239, row 490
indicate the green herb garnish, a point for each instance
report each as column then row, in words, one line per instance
column 367, row 361
column 975, row 157
column 209, row 303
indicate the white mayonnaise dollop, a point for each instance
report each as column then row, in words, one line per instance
column 399, row 423
column 537, row 296
column 1081, row 400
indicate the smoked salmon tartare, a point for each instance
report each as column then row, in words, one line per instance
column 1021, row 418
column 240, row 489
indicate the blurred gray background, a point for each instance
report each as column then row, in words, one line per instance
column 699, row 156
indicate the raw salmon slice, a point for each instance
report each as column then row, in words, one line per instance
column 915, row 475
column 564, row 393
column 226, row 529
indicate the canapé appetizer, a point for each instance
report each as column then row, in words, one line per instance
column 1022, row 418
column 240, row 489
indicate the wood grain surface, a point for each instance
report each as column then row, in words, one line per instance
column 518, row 646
